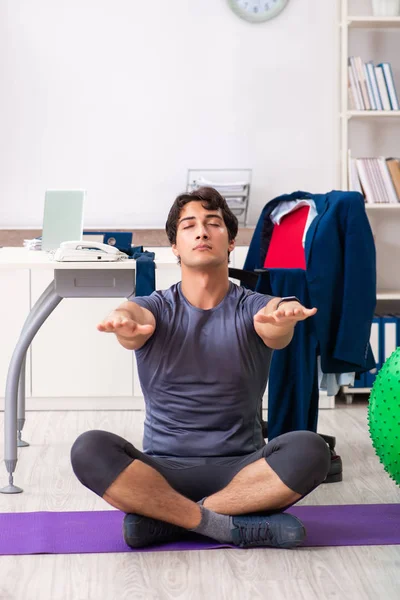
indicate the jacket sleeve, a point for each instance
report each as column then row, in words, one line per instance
column 359, row 291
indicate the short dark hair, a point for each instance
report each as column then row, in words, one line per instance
column 210, row 200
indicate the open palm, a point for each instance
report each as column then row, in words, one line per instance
column 285, row 315
column 124, row 326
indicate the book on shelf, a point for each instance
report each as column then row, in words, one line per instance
column 380, row 77
column 355, row 101
column 374, row 85
column 377, row 178
column 371, row 87
column 393, row 165
column 371, row 94
column 391, row 88
column 357, row 83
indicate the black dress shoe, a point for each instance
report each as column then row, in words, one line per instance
column 335, row 473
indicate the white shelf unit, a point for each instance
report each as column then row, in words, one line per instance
column 347, row 23
column 371, row 125
column 377, row 126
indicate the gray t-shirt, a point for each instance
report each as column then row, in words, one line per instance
column 203, row 374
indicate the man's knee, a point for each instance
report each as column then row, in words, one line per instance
column 98, row 457
column 301, row 459
column 314, row 454
column 88, row 447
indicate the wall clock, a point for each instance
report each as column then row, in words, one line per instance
column 257, row 11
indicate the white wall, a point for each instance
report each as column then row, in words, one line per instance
column 121, row 97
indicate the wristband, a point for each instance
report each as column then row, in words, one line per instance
column 287, row 299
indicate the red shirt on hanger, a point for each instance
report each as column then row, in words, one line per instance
column 286, row 249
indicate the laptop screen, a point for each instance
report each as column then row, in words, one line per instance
column 63, row 217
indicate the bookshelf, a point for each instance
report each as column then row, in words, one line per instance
column 372, row 133
column 370, row 23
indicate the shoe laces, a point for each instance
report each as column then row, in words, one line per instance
column 258, row 531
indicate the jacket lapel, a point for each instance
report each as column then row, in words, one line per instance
column 321, row 204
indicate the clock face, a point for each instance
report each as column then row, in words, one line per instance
column 257, row 11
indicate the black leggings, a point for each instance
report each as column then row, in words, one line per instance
column 301, row 459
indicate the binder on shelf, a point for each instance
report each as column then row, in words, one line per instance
column 388, row 335
column 376, row 350
column 397, row 330
column 359, row 381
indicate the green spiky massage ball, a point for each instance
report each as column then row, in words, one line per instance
column 384, row 415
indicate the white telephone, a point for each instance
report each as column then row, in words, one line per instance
column 86, row 251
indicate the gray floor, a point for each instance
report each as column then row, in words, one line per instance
column 318, row 573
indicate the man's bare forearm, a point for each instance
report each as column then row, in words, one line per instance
column 129, row 344
column 273, row 336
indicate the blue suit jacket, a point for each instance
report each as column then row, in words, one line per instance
column 341, row 276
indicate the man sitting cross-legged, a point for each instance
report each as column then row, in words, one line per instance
column 203, row 350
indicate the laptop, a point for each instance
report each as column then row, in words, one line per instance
column 62, row 218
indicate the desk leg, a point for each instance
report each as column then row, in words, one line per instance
column 21, row 406
column 21, row 389
column 42, row 309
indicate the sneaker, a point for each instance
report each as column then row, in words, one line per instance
column 278, row 530
column 142, row 531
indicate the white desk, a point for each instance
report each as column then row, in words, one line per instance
column 21, row 258
column 71, row 280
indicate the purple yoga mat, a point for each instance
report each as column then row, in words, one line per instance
column 101, row 531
